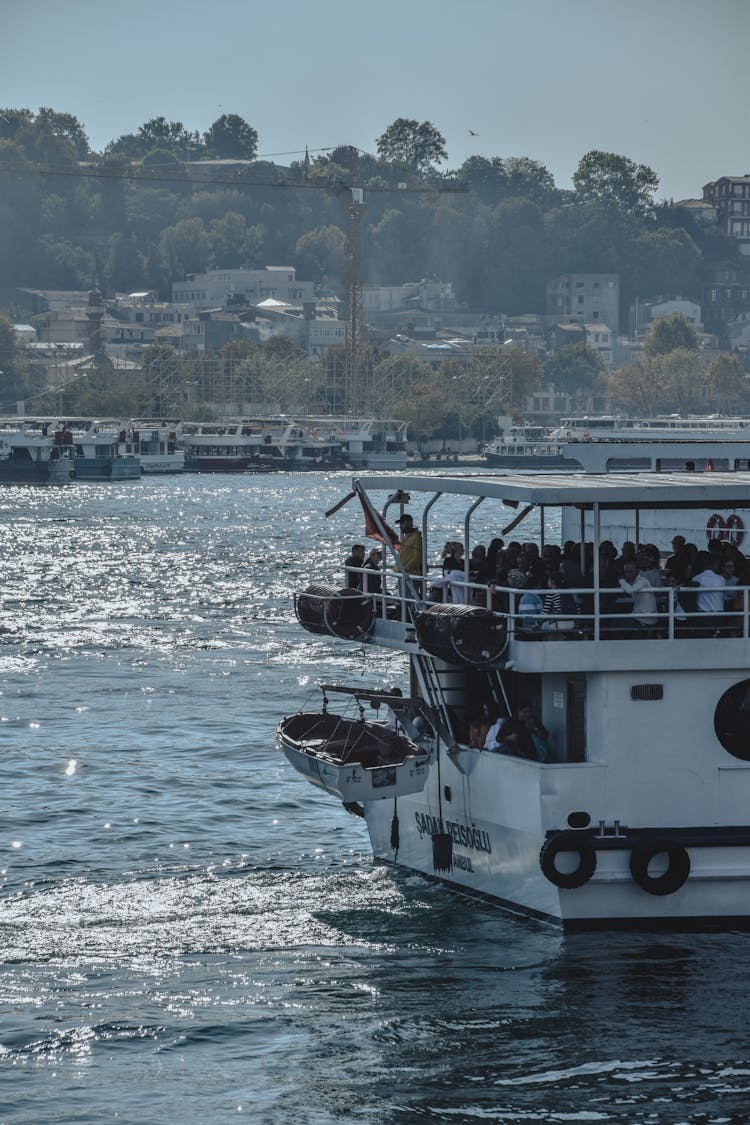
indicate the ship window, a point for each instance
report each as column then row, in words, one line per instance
column 732, row 720
column 647, row 691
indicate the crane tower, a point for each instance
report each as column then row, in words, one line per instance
column 353, row 261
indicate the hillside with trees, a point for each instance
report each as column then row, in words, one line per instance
column 165, row 201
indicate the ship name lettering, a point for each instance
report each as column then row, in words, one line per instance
column 467, row 835
column 462, row 861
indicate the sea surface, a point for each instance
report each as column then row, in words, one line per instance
column 189, row 932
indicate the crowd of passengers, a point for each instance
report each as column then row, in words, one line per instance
column 551, row 582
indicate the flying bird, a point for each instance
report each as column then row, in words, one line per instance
column 472, row 133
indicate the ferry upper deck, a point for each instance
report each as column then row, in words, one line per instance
column 584, row 504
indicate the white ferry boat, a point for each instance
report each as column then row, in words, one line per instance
column 294, row 443
column 155, row 441
column 225, row 447
column 530, row 446
column 97, row 450
column 633, row 810
column 365, row 443
column 32, row 452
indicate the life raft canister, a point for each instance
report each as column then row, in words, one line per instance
column 575, row 842
column 677, row 869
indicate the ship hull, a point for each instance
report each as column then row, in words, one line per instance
column 225, row 465
column 529, row 461
column 493, row 819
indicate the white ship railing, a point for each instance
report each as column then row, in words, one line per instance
column 401, row 597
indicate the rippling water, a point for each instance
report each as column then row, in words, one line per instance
column 190, row 932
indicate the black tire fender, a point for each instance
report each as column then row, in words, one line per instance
column 678, row 865
column 579, row 842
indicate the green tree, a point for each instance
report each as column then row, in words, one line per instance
column 727, row 382
column 320, row 253
column 63, row 264
column 484, row 177
column 12, row 121
column 65, row 125
column 638, row 388
column 682, row 374
column 160, row 133
column 149, row 211
column 528, row 179
column 231, row 138
column 573, row 369
column 670, row 332
column 616, row 181
column 425, row 407
column 229, row 241
column 667, row 260
column 10, row 357
column 125, row 268
column 128, row 146
column 418, row 146
column 184, row 248
column 105, row 391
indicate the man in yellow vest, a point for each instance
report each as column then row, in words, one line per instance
column 410, row 551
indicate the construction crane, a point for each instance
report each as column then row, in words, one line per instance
column 337, row 185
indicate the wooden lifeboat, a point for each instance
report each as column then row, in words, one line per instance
column 353, row 760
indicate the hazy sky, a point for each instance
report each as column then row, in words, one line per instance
column 663, row 82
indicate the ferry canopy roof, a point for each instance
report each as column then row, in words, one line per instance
column 611, row 490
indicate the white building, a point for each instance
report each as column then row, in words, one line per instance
column 599, row 339
column 644, row 313
column 435, row 296
column 220, row 288
column 589, row 298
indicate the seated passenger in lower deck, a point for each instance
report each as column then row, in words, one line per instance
column 524, row 736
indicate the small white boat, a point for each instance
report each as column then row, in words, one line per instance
column 351, row 759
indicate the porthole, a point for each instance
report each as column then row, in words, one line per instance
column 732, row 720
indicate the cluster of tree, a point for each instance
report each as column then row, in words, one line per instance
column 671, row 375
column 152, row 207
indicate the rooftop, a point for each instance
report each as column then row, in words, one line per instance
column 610, row 490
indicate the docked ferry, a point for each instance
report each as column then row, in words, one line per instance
column 294, row 443
column 529, row 446
column 97, row 450
column 32, row 452
column 155, row 442
column 632, row 809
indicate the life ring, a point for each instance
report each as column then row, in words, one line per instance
column 735, row 529
column 568, row 842
column 716, row 527
column 677, row 871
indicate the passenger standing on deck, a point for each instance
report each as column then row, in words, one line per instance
column 644, row 599
column 352, row 577
column 710, row 599
column 372, row 582
column 410, row 551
